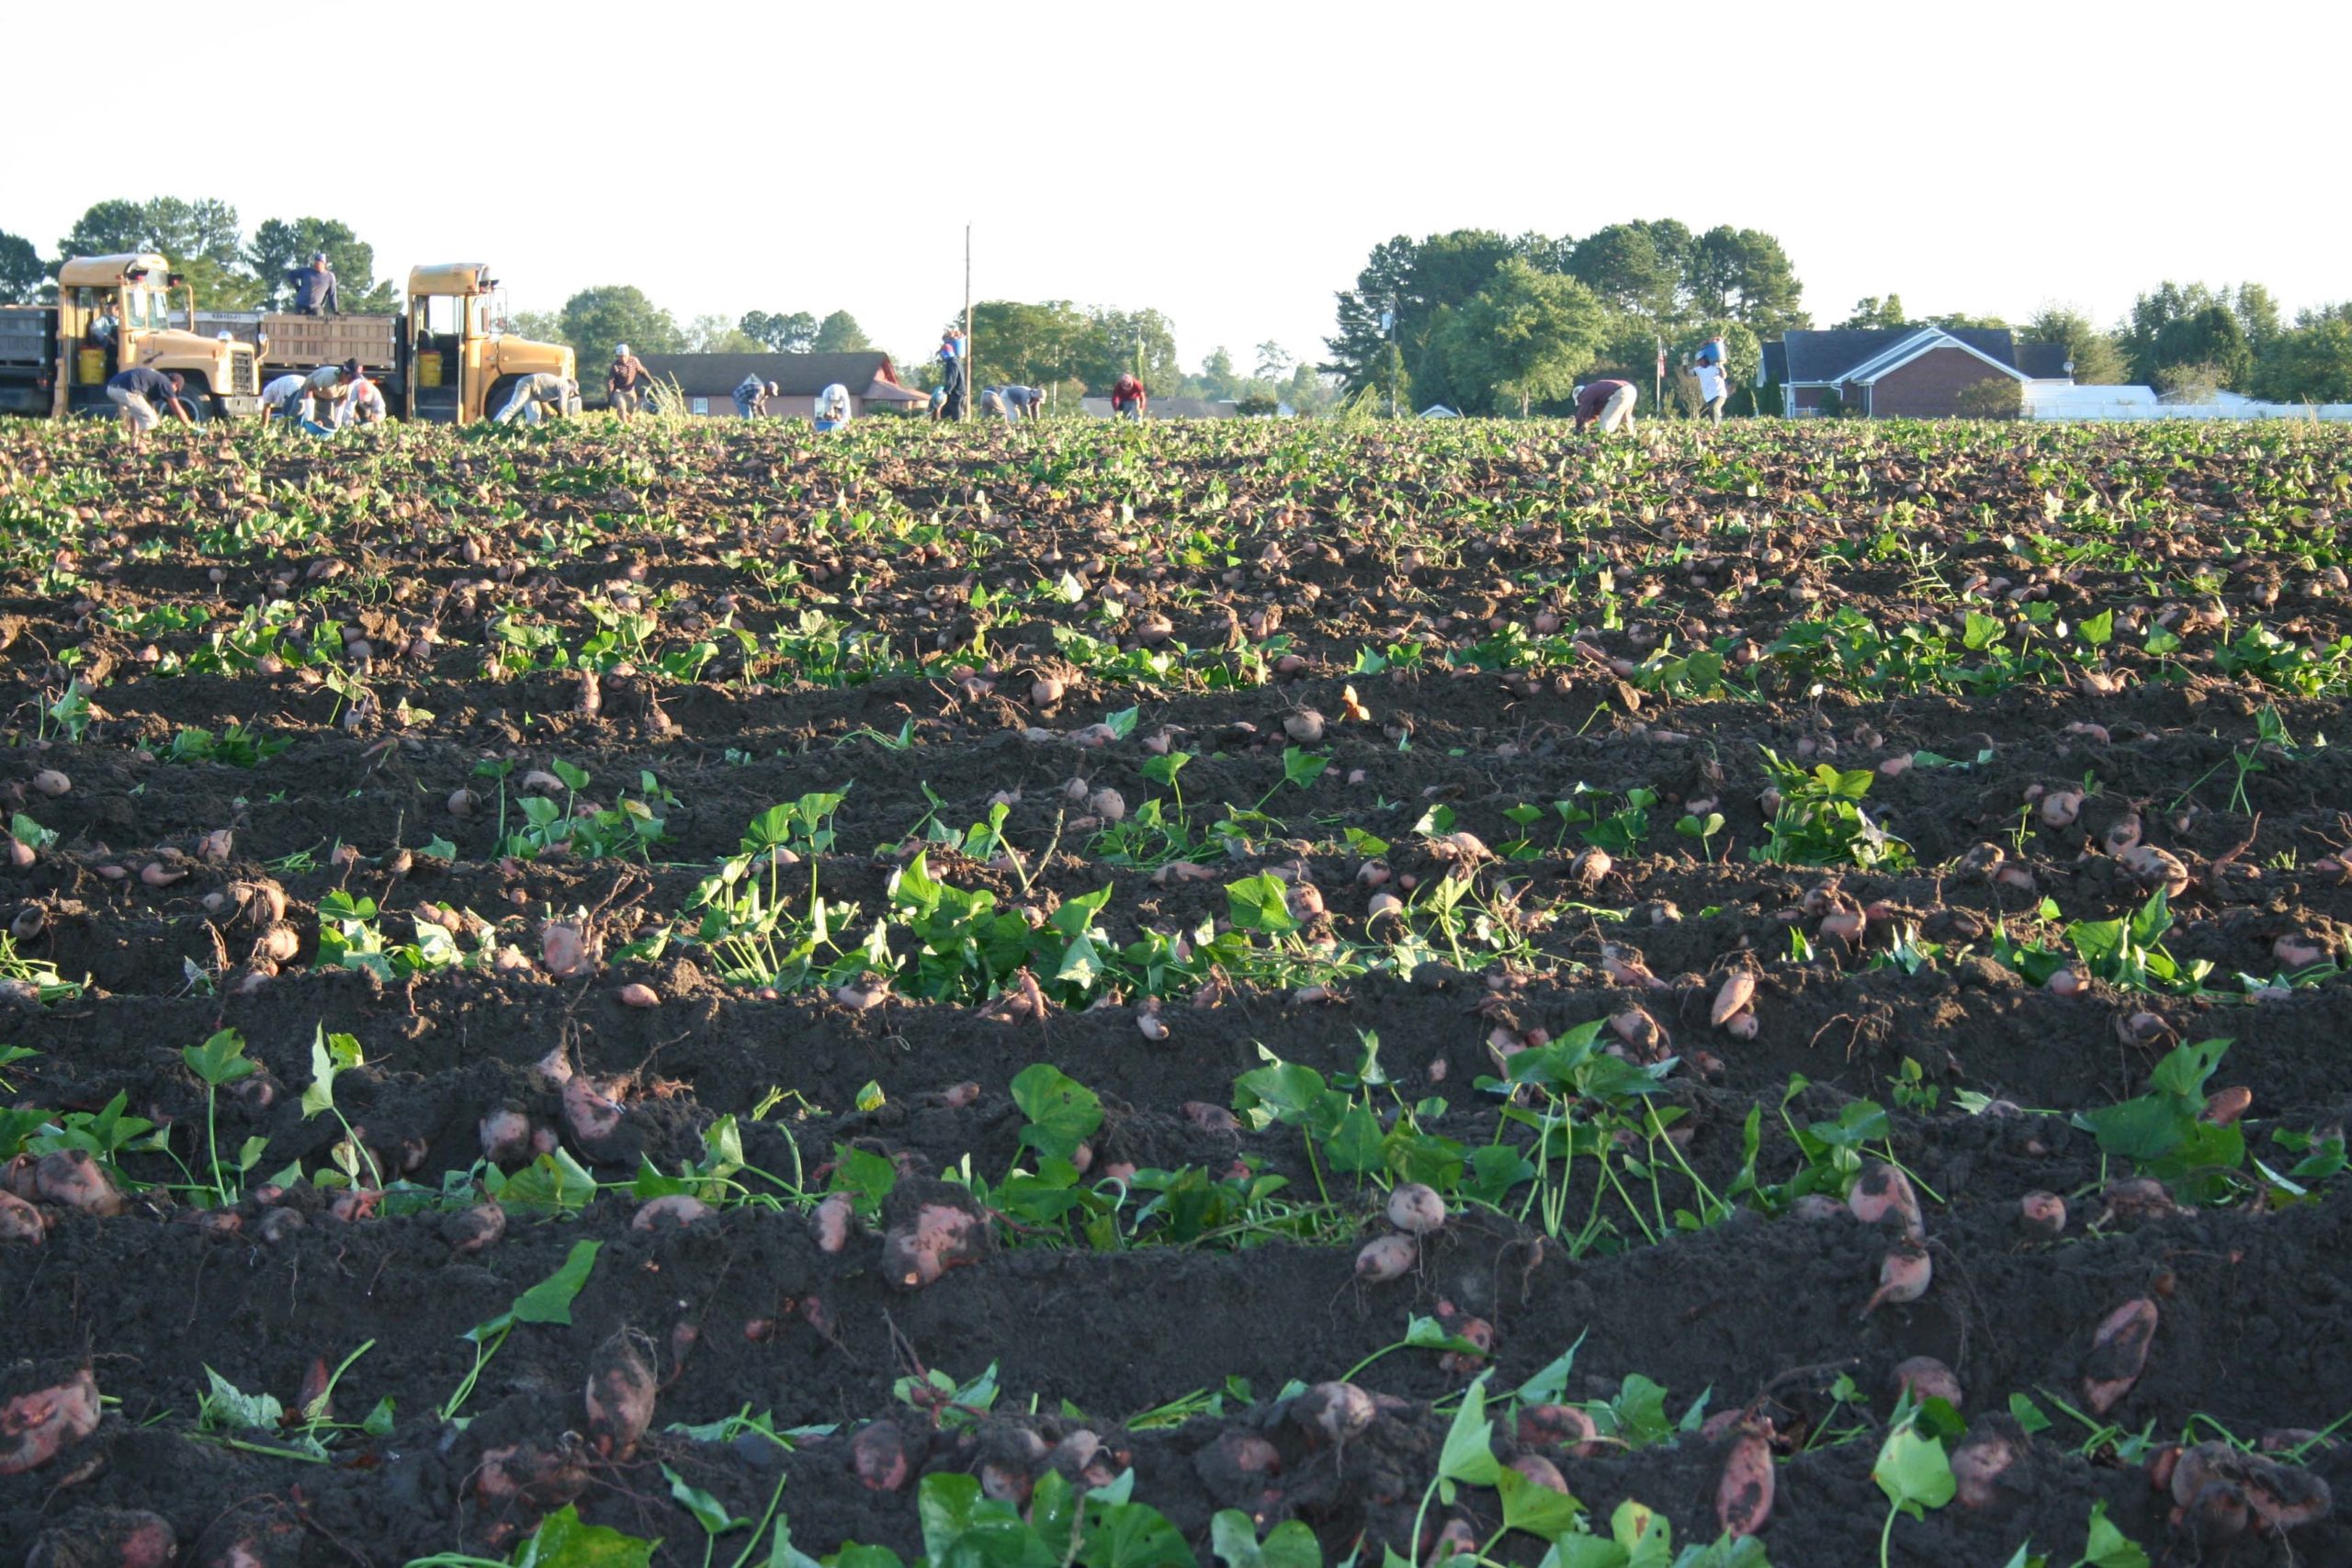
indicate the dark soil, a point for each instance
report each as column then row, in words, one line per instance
column 441, row 552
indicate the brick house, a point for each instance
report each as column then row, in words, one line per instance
column 1904, row 372
column 708, row 381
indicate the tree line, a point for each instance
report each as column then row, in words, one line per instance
column 2188, row 341
column 1477, row 321
column 1487, row 323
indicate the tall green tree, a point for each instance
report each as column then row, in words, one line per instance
column 199, row 238
column 279, row 245
column 839, row 333
column 794, row 332
column 595, row 320
column 1412, row 283
column 2310, row 362
column 2196, row 324
column 1273, row 361
column 1638, row 268
column 1525, row 336
column 1871, row 314
column 2096, row 361
column 1142, row 341
column 1743, row 275
column 22, row 276
column 717, row 335
column 1039, row 345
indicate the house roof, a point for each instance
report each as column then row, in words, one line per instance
column 867, row 373
column 1775, row 367
column 2044, row 361
column 1826, row 358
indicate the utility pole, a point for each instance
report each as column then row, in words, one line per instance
column 1657, row 385
column 968, row 319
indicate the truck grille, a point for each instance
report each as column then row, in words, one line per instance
column 241, row 372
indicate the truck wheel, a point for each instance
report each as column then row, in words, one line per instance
column 500, row 390
column 198, row 401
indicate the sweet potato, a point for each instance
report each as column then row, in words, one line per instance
column 1557, row 1427
column 2119, row 1352
column 674, row 1212
column 46, row 1416
column 878, row 1457
column 2042, row 1214
column 263, row 1534
column 105, row 1538
column 620, row 1393
column 474, row 1230
column 1383, row 1258
column 1902, row 1276
column 506, row 1136
column 1744, row 1493
column 1927, row 1378
column 72, row 1180
column 1881, row 1191
column 2280, row 1497
column 1333, row 1412
column 1541, row 1471
column 1732, row 997
column 521, row 1473
column 833, row 1219
column 934, row 1227
column 592, row 1118
column 1980, row 1462
column 20, row 1221
column 1416, row 1209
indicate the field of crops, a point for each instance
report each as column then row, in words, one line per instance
column 1258, row 992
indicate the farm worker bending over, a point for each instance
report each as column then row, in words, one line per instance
column 543, row 396
column 1128, row 398
column 313, row 287
column 363, row 404
column 285, row 401
column 1611, row 403
column 832, row 407
column 752, row 396
column 1017, row 403
column 137, row 390
column 325, row 390
column 1714, row 380
column 625, row 381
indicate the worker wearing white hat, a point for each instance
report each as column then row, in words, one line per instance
column 627, row 383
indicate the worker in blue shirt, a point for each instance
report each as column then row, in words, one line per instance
column 137, row 390
column 313, row 287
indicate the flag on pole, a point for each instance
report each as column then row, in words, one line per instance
column 1661, row 361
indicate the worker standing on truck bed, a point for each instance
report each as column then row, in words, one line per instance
column 752, row 396
column 313, row 287
column 1611, row 403
column 543, row 396
column 625, row 383
column 137, row 390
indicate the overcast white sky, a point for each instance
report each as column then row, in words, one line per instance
column 1232, row 164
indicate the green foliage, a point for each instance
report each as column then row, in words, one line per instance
column 22, row 273
column 1525, row 336
column 1820, row 819
column 277, row 245
column 594, row 319
column 2163, row 1132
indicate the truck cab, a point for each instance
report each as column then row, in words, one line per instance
column 464, row 364
column 134, row 292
